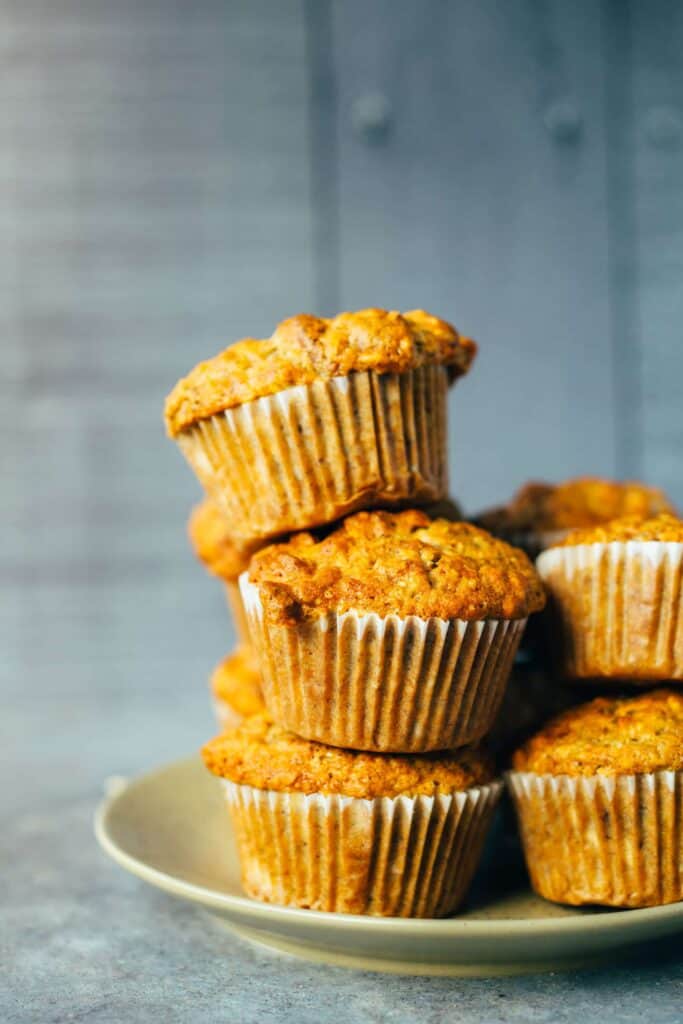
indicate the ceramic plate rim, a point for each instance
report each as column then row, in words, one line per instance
column 613, row 920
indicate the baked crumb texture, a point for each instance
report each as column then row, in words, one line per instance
column 236, row 681
column 598, row 794
column 264, row 755
column 383, row 683
column 397, row 563
column 306, row 348
column 665, row 528
column 583, row 502
column 213, row 543
column 610, row 736
column 615, row 604
column 401, row 857
column 313, row 454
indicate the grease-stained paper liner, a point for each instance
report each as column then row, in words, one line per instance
column 239, row 615
column 398, row 856
column 315, row 452
column 377, row 683
column 617, row 608
column 612, row 840
column 226, row 716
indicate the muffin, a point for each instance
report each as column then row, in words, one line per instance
column 215, row 546
column 330, row 829
column 599, row 798
column 236, row 689
column 615, row 599
column 541, row 514
column 395, row 632
column 325, row 417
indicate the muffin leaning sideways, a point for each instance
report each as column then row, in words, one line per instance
column 324, row 417
column 395, row 632
column 331, row 829
column 615, row 599
column 598, row 794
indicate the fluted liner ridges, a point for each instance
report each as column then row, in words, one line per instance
column 377, row 683
column 239, row 615
column 391, row 856
column 617, row 608
column 315, row 452
column 614, row 840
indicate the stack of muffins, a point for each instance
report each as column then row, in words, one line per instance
column 378, row 631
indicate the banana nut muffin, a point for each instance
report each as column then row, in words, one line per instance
column 336, row 830
column 616, row 594
column 540, row 513
column 598, row 793
column 397, row 563
column 394, row 632
column 236, row 688
column 325, row 417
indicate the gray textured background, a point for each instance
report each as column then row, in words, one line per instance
column 175, row 175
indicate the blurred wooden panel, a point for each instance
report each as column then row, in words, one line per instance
column 657, row 140
column 472, row 182
column 155, row 205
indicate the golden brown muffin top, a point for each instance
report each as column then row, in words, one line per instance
column 237, row 681
column 261, row 754
column 662, row 528
column 307, row 348
column 400, row 563
column 213, row 544
column 610, row 736
column 586, row 501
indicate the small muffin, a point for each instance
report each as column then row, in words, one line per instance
column 393, row 633
column 541, row 514
column 330, row 829
column 598, row 794
column 325, row 417
column 236, row 689
column 616, row 596
column 215, row 546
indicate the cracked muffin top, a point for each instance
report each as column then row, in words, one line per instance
column 396, row 563
column 261, row 754
column 610, row 736
column 237, row 682
column 586, row 501
column 664, row 527
column 306, row 348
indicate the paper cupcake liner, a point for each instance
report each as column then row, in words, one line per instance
column 315, row 452
column 239, row 615
column 401, row 856
column 613, row 840
column 617, row 608
column 226, row 716
column 384, row 684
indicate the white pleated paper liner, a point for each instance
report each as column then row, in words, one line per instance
column 391, row 856
column 315, row 452
column 385, row 684
column 617, row 608
column 611, row 840
column 239, row 615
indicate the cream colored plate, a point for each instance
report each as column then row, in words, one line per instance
column 172, row 829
